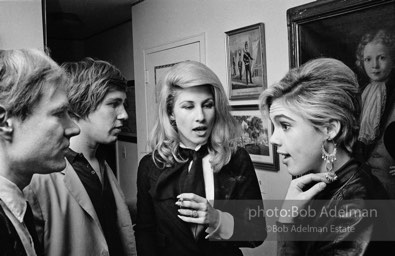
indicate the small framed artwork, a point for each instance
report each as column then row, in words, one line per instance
column 256, row 131
column 246, row 58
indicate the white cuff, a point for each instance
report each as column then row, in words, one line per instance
column 225, row 227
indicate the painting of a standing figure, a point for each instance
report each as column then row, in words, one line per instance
column 247, row 62
column 246, row 47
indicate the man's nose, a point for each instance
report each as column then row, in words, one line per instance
column 72, row 129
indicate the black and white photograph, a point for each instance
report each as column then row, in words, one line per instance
column 190, row 127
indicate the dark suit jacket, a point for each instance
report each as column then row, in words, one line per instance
column 10, row 243
column 160, row 232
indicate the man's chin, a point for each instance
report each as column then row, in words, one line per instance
column 58, row 167
column 111, row 140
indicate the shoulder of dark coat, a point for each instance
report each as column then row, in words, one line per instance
column 364, row 185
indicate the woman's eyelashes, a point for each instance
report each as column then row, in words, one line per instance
column 285, row 126
column 206, row 105
column 209, row 104
column 188, row 106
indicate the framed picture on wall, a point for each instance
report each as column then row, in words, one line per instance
column 246, row 58
column 256, row 132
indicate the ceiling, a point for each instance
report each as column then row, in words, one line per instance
column 81, row 19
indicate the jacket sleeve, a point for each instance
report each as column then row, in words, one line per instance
column 145, row 227
column 243, row 200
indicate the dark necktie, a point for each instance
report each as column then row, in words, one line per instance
column 192, row 181
column 29, row 222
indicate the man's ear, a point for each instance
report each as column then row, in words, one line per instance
column 333, row 129
column 6, row 128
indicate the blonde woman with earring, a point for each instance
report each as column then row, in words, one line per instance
column 314, row 109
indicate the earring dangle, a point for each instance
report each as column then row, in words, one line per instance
column 329, row 158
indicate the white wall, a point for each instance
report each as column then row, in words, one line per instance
column 158, row 22
column 127, row 171
column 21, row 24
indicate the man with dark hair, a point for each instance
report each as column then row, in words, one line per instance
column 35, row 129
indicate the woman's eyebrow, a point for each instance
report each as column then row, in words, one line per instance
column 282, row 116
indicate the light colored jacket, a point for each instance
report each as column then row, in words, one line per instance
column 66, row 220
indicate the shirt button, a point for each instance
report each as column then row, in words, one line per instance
column 93, row 172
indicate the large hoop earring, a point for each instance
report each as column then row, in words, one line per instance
column 329, row 158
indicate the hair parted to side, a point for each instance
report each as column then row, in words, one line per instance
column 164, row 139
column 321, row 90
column 381, row 36
column 90, row 81
column 24, row 76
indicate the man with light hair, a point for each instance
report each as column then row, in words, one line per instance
column 35, row 129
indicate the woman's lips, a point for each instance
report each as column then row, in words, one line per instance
column 200, row 131
column 200, row 128
column 285, row 156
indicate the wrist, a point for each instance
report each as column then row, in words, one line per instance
column 216, row 219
